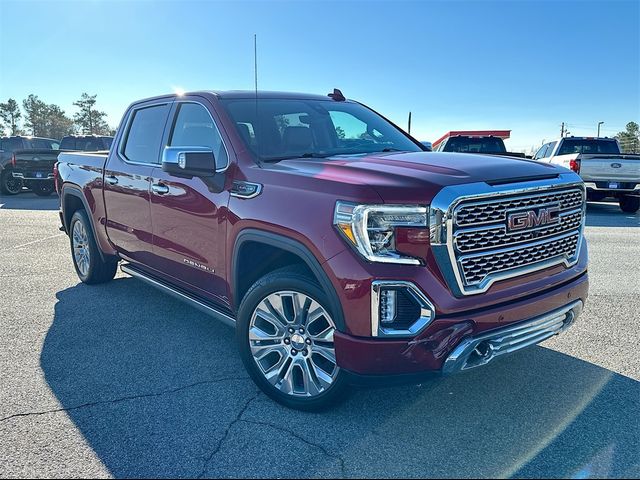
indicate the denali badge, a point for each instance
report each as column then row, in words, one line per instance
column 531, row 218
column 616, row 165
column 198, row 265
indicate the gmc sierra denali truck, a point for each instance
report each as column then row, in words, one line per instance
column 605, row 171
column 339, row 250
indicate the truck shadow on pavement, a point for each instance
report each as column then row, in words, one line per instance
column 158, row 390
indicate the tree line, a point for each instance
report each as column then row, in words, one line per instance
column 630, row 139
column 40, row 119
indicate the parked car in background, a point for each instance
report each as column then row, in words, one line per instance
column 86, row 143
column 489, row 142
column 605, row 171
column 27, row 161
column 338, row 259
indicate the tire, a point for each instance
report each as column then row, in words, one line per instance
column 629, row 204
column 295, row 368
column 43, row 189
column 89, row 265
column 9, row 185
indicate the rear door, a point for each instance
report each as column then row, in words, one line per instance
column 127, row 180
column 188, row 214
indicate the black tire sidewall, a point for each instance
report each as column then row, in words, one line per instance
column 43, row 189
column 4, row 178
column 629, row 204
column 271, row 283
column 96, row 273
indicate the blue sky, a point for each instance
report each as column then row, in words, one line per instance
column 519, row 65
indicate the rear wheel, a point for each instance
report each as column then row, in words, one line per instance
column 285, row 335
column 43, row 189
column 9, row 185
column 90, row 267
column 629, row 204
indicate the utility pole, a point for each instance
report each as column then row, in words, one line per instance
column 409, row 129
column 599, row 123
column 562, row 130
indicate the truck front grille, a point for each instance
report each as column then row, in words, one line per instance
column 484, row 245
column 481, row 234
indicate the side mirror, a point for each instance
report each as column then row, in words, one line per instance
column 189, row 161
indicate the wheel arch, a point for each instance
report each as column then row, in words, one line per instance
column 72, row 200
column 289, row 250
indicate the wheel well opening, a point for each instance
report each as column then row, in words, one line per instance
column 255, row 260
column 71, row 205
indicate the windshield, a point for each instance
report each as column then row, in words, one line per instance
column 313, row 128
column 475, row 145
column 577, row 145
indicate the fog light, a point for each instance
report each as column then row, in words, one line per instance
column 388, row 306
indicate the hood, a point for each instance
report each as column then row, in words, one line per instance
column 411, row 177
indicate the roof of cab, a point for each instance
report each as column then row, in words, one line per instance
column 238, row 94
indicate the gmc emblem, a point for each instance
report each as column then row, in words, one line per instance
column 531, row 218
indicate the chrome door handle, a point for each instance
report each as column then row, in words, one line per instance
column 111, row 180
column 160, row 188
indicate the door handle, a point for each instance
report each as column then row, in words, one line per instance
column 111, row 179
column 160, row 188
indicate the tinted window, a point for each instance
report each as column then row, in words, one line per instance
column 145, row 134
column 68, row 143
column 11, row 144
column 578, row 145
column 107, row 141
column 475, row 145
column 287, row 128
column 195, row 128
column 43, row 143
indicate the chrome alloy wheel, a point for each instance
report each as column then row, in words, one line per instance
column 81, row 248
column 291, row 340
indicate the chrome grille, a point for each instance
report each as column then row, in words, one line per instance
column 473, row 239
column 477, row 213
column 485, row 248
column 476, row 268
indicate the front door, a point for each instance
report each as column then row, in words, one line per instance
column 187, row 214
column 127, row 180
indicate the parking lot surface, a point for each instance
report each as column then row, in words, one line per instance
column 121, row 380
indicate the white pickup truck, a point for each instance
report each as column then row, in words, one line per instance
column 605, row 171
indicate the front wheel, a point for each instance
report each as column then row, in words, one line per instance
column 285, row 336
column 629, row 204
column 10, row 185
column 90, row 267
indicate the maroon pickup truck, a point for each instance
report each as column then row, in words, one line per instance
column 340, row 251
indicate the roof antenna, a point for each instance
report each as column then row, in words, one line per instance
column 255, row 75
column 337, row 95
column 409, row 129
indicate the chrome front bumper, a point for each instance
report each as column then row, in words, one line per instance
column 476, row 351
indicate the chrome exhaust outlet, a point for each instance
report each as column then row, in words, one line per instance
column 477, row 351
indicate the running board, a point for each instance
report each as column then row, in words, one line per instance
column 194, row 302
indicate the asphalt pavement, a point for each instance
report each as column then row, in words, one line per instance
column 120, row 380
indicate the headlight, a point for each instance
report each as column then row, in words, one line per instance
column 371, row 228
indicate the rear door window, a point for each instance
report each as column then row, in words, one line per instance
column 144, row 135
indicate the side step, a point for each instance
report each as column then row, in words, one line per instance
column 179, row 294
